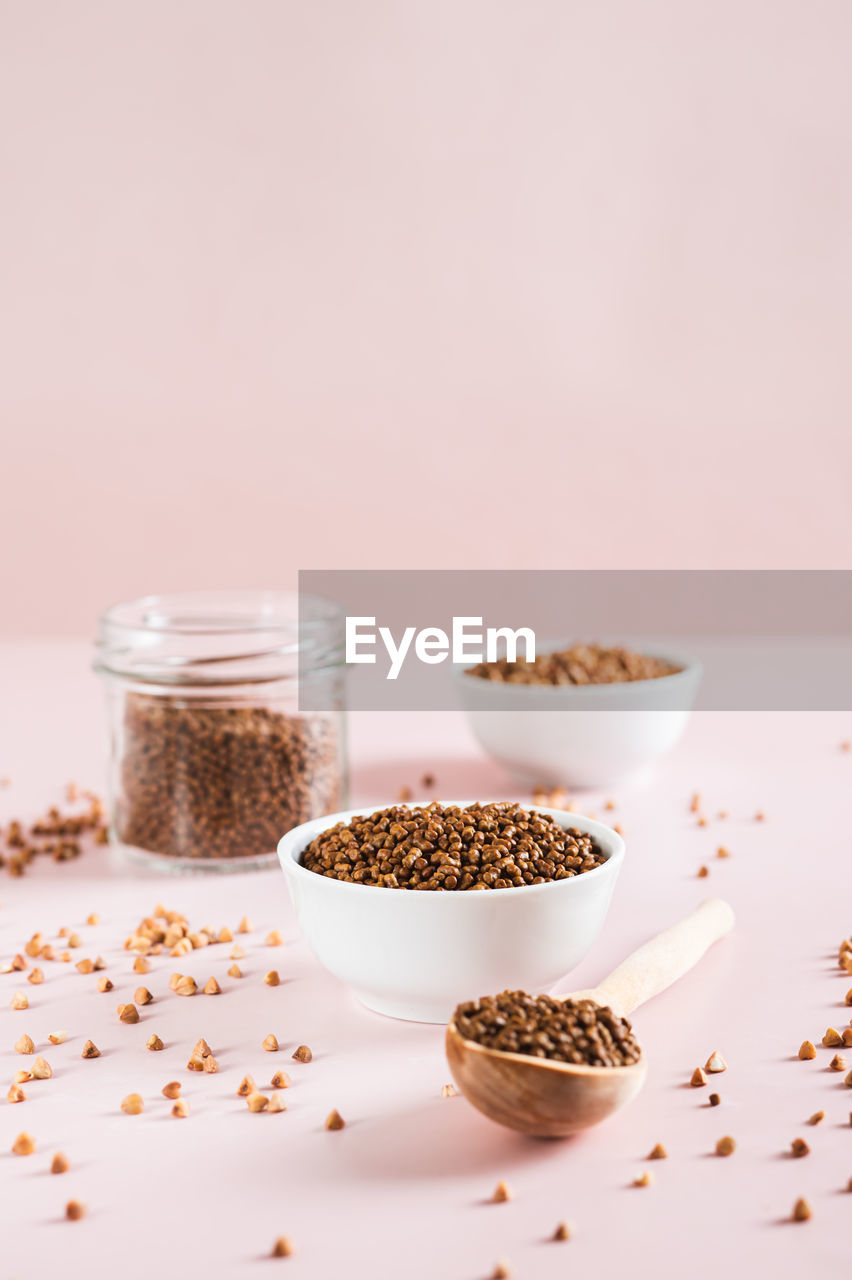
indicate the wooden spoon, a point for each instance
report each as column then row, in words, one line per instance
column 549, row 1099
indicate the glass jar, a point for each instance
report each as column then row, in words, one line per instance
column 211, row 760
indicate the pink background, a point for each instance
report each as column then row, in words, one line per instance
column 280, row 279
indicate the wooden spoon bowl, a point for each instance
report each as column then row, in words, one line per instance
column 549, row 1099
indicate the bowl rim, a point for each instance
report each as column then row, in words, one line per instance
column 292, row 843
column 690, row 667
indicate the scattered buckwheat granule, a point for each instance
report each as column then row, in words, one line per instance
column 847, row 1036
column 16, row 1094
column 104, row 984
column 846, row 746
column 128, row 1013
column 212, row 988
column 501, row 1271
column 24, row 1145
column 237, row 953
column 171, row 1090
column 257, row 1102
column 659, row 1152
column 41, row 1069
column 21, row 1077
column 91, row 1050
column 702, row 822
column 59, row 1163
column 838, row 1063
column 644, row 1179
column 36, row 977
column 272, row 979
column 154, row 1043
column 174, row 980
column 280, row 1080
column 85, row 966
column 334, row 1120
column 848, row 1080
column 799, row 1147
column 703, row 872
column 196, row 1062
column 19, row 1001
column 715, row 1063
column 801, row 1210
column 235, row 971
column 502, row 1193
column 186, row 986
column 211, row 1066
column 246, row 1086
column 143, row 996
column 563, row 1231
column 24, row 1044
column 93, row 918
column 141, row 965
column 404, row 794
column 245, row 926
column 817, row 1117
column 274, row 939
column 831, row 1038
column 302, row 1054
column 448, row 1090
column 760, row 816
column 225, row 934
column 277, row 1103
column 714, row 1099
column 270, row 1044
column 202, row 1048
column 695, row 803
column 282, row 1247
column 722, row 852
column 725, row 1147
column 698, row 1078
column 75, row 1210
column 132, row 1105
column 181, row 1109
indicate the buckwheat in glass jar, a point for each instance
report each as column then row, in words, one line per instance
column 211, row 761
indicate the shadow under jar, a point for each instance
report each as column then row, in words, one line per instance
column 211, row 760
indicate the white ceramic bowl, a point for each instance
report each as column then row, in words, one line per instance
column 584, row 736
column 417, row 955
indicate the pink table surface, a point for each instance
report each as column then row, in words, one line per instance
column 403, row 1190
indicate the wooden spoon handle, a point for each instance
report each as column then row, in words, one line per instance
column 664, row 959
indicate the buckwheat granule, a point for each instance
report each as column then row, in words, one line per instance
column 181, row 1109
column 16, row 1094
column 59, row 1163
column 85, row 966
column 703, row 872
column 104, row 985
column 90, row 1050
column 141, row 965
column 334, row 1120
column 274, row 939
column 132, row 1105
column 807, row 1050
column 24, row 1044
column 302, row 1054
column 277, row 1103
column 41, row 1069
column 128, row 1013
column 36, row 977
column 725, row 1147
column 235, row 971
column 501, row 1194
column 75, row 1210
column 448, row 1091
column 237, row 953
column 715, row 1063
column 246, row 1086
column 644, row 1179
column 282, row 1247
column 154, row 1043
column 24, row 1145
column 270, row 1044
column 257, row 1102
column 838, row 1063
column 245, row 926
column 280, row 1080
column 698, row 1078
column 658, row 1153
column 172, row 1089
column 212, row 988
column 817, row 1117
column 801, row 1210
column 272, row 979
column 831, row 1038
column 186, row 986
column 202, row 1048
column 563, row 1231
column 142, row 996
column 19, row 1001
